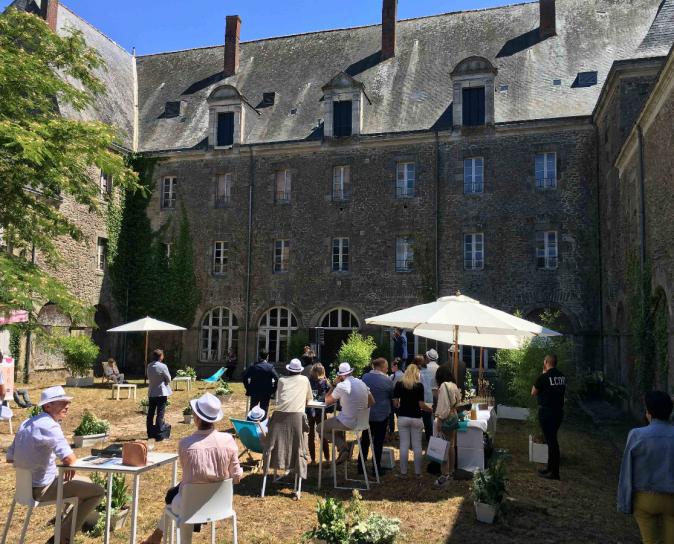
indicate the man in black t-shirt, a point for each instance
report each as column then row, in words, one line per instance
column 549, row 389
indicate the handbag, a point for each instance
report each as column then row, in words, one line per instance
column 450, row 424
column 134, row 454
column 437, row 449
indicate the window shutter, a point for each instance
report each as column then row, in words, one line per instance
column 473, row 106
column 225, row 129
column 342, row 118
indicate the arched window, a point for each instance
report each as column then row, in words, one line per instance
column 340, row 318
column 218, row 333
column 274, row 331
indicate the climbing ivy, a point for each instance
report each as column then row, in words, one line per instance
column 641, row 313
column 424, row 261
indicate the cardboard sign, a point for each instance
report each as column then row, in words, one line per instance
column 7, row 369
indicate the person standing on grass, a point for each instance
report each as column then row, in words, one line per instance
column 158, row 392
column 408, row 397
column 37, row 445
column 646, row 485
column 449, row 399
column 549, row 389
column 319, row 388
column 395, row 376
column 381, row 388
column 400, row 347
column 427, row 377
column 260, row 381
column 231, row 363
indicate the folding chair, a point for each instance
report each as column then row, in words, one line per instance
column 202, row 503
column 215, row 377
column 247, row 433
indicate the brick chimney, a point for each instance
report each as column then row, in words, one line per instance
column 389, row 15
column 232, row 33
column 547, row 27
column 49, row 11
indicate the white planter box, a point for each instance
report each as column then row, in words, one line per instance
column 88, row 440
column 538, row 453
column 87, row 381
column 118, row 519
column 485, row 512
column 387, row 459
column 512, row 412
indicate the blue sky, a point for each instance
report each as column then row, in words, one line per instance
column 153, row 26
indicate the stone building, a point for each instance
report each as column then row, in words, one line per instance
column 334, row 175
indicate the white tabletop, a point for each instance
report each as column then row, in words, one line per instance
column 316, row 404
column 114, row 464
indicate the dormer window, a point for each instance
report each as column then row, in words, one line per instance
column 229, row 117
column 473, row 92
column 343, row 101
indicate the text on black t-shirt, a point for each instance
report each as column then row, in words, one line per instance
column 551, row 386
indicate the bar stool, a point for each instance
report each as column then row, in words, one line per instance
column 362, row 424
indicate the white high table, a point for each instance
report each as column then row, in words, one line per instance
column 319, row 406
column 113, row 466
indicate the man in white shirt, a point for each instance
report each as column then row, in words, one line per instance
column 354, row 397
column 36, row 446
column 293, row 391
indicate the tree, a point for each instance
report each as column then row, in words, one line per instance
column 45, row 157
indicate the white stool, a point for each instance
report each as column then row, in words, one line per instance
column 186, row 379
column 362, row 424
column 24, row 495
column 6, row 414
column 130, row 387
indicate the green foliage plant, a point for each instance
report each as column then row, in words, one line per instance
column 357, row 351
column 79, row 353
column 489, row 485
column 187, row 411
column 187, row 372
column 223, row 389
column 90, row 424
column 34, row 410
column 296, row 344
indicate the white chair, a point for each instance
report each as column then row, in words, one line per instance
column 24, row 496
column 6, row 414
column 362, row 424
column 202, row 503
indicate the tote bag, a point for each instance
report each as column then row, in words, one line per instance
column 437, row 449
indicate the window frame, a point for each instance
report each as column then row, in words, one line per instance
column 281, row 263
column 545, row 260
column 341, row 244
column 473, row 183
column 231, row 330
column 546, row 182
column 220, row 257
column 283, row 197
column 219, row 117
column 339, row 131
column 169, row 198
column 341, row 310
column 480, row 115
column 223, row 200
column 101, row 254
column 403, row 183
column 470, row 260
column 341, row 176
column 105, row 183
column 405, row 264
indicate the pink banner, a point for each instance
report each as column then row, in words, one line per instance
column 7, row 368
column 14, row 316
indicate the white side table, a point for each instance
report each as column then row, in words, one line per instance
column 130, row 387
column 186, row 379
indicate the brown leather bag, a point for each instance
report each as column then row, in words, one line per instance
column 134, row 454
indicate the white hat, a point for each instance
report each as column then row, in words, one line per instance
column 344, row 369
column 256, row 413
column 53, row 394
column 207, row 407
column 295, row 366
column 432, row 354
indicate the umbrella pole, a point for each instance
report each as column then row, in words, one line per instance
column 145, row 366
column 456, row 353
column 479, row 372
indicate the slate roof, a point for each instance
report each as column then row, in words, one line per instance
column 413, row 90
column 115, row 106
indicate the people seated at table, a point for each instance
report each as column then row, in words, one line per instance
column 294, row 390
column 260, row 381
column 354, row 397
column 446, row 414
column 158, row 392
column 259, row 416
column 37, row 445
column 319, row 388
column 205, row 456
column 112, row 373
column 646, row 485
column 408, row 397
column 381, row 388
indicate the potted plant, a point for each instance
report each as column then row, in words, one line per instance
column 79, row 354
column 90, row 430
column 187, row 372
column 144, row 405
column 187, row 414
column 488, row 491
column 119, row 505
column 223, row 390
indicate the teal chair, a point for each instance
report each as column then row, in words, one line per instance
column 247, row 433
column 215, row 377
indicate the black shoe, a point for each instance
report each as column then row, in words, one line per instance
column 543, row 471
column 549, row 476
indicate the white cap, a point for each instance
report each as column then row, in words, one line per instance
column 344, row 369
column 53, row 394
column 256, row 413
column 207, row 407
column 295, row 366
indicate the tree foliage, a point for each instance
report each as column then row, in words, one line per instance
column 357, row 351
column 46, row 157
